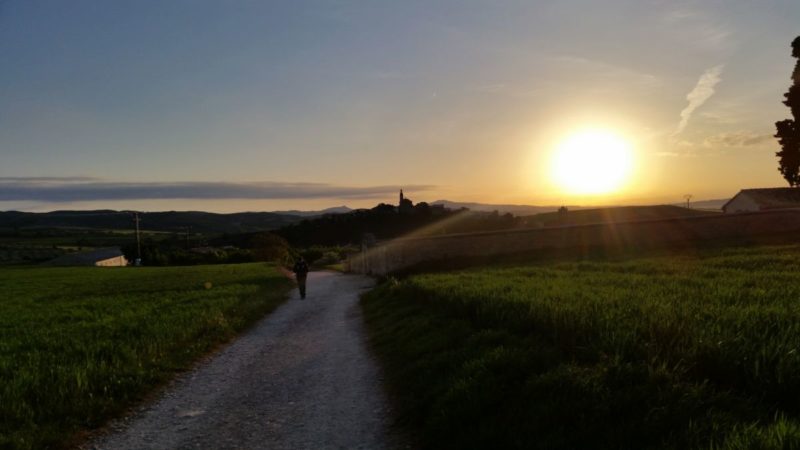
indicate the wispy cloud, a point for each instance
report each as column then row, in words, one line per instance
column 505, row 89
column 602, row 76
column 597, row 69
column 680, row 149
column 680, row 14
column 46, row 179
column 71, row 189
column 692, row 24
column 669, row 154
column 714, row 145
column 739, row 139
column 391, row 75
column 702, row 91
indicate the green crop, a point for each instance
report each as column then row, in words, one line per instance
column 692, row 351
column 78, row 345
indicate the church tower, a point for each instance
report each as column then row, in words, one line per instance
column 405, row 206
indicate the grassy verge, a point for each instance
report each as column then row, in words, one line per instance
column 78, row 345
column 695, row 351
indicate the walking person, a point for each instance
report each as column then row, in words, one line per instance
column 301, row 273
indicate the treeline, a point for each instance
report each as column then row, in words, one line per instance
column 387, row 222
column 232, row 249
column 169, row 221
column 186, row 250
column 326, row 240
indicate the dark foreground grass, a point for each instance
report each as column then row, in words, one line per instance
column 78, row 345
column 695, row 351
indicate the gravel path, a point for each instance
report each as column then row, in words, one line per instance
column 300, row 379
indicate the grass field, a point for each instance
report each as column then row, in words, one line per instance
column 78, row 345
column 694, row 351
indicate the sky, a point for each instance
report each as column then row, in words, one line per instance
column 269, row 105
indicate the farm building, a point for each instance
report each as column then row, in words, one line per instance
column 101, row 257
column 753, row 200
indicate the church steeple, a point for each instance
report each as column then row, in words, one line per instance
column 401, row 197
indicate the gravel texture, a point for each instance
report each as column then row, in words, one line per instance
column 302, row 378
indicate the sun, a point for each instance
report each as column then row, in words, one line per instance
column 592, row 162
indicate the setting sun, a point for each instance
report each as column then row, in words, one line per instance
column 592, row 162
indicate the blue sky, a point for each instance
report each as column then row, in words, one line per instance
column 452, row 99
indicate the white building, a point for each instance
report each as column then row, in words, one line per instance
column 753, row 200
column 101, row 257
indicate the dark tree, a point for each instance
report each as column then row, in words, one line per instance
column 269, row 247
column 788, row 130
column 422, row 209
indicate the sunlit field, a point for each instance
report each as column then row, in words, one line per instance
column 78, row 345
column 699, row 351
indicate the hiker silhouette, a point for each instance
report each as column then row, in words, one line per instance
column 301, row 273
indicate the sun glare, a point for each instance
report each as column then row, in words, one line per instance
column 592, row 162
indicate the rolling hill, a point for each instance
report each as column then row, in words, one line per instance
column 527, row 210
column 517, row 210
column 201, row 222
column 615, row 214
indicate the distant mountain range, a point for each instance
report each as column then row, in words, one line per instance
column 205, row 222
column 196, row 221
column 333, row 210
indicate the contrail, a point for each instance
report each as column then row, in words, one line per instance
column 701, row 92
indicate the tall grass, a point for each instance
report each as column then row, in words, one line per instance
column 77, row 345
column 694, row 351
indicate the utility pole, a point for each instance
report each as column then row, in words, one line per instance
column 688, row 197
column 136, row 220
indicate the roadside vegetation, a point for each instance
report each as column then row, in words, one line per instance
column 32, row 246
column 79, row 345
column 694, row 351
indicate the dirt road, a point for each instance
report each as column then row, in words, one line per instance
column 300, row 379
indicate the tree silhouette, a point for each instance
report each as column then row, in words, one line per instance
column 788, row 130
column 269, row 247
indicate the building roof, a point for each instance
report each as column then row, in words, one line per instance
column 86, row 258
column 768, row 198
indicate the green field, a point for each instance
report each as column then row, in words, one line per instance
column 694, row 351
column 78, row 345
